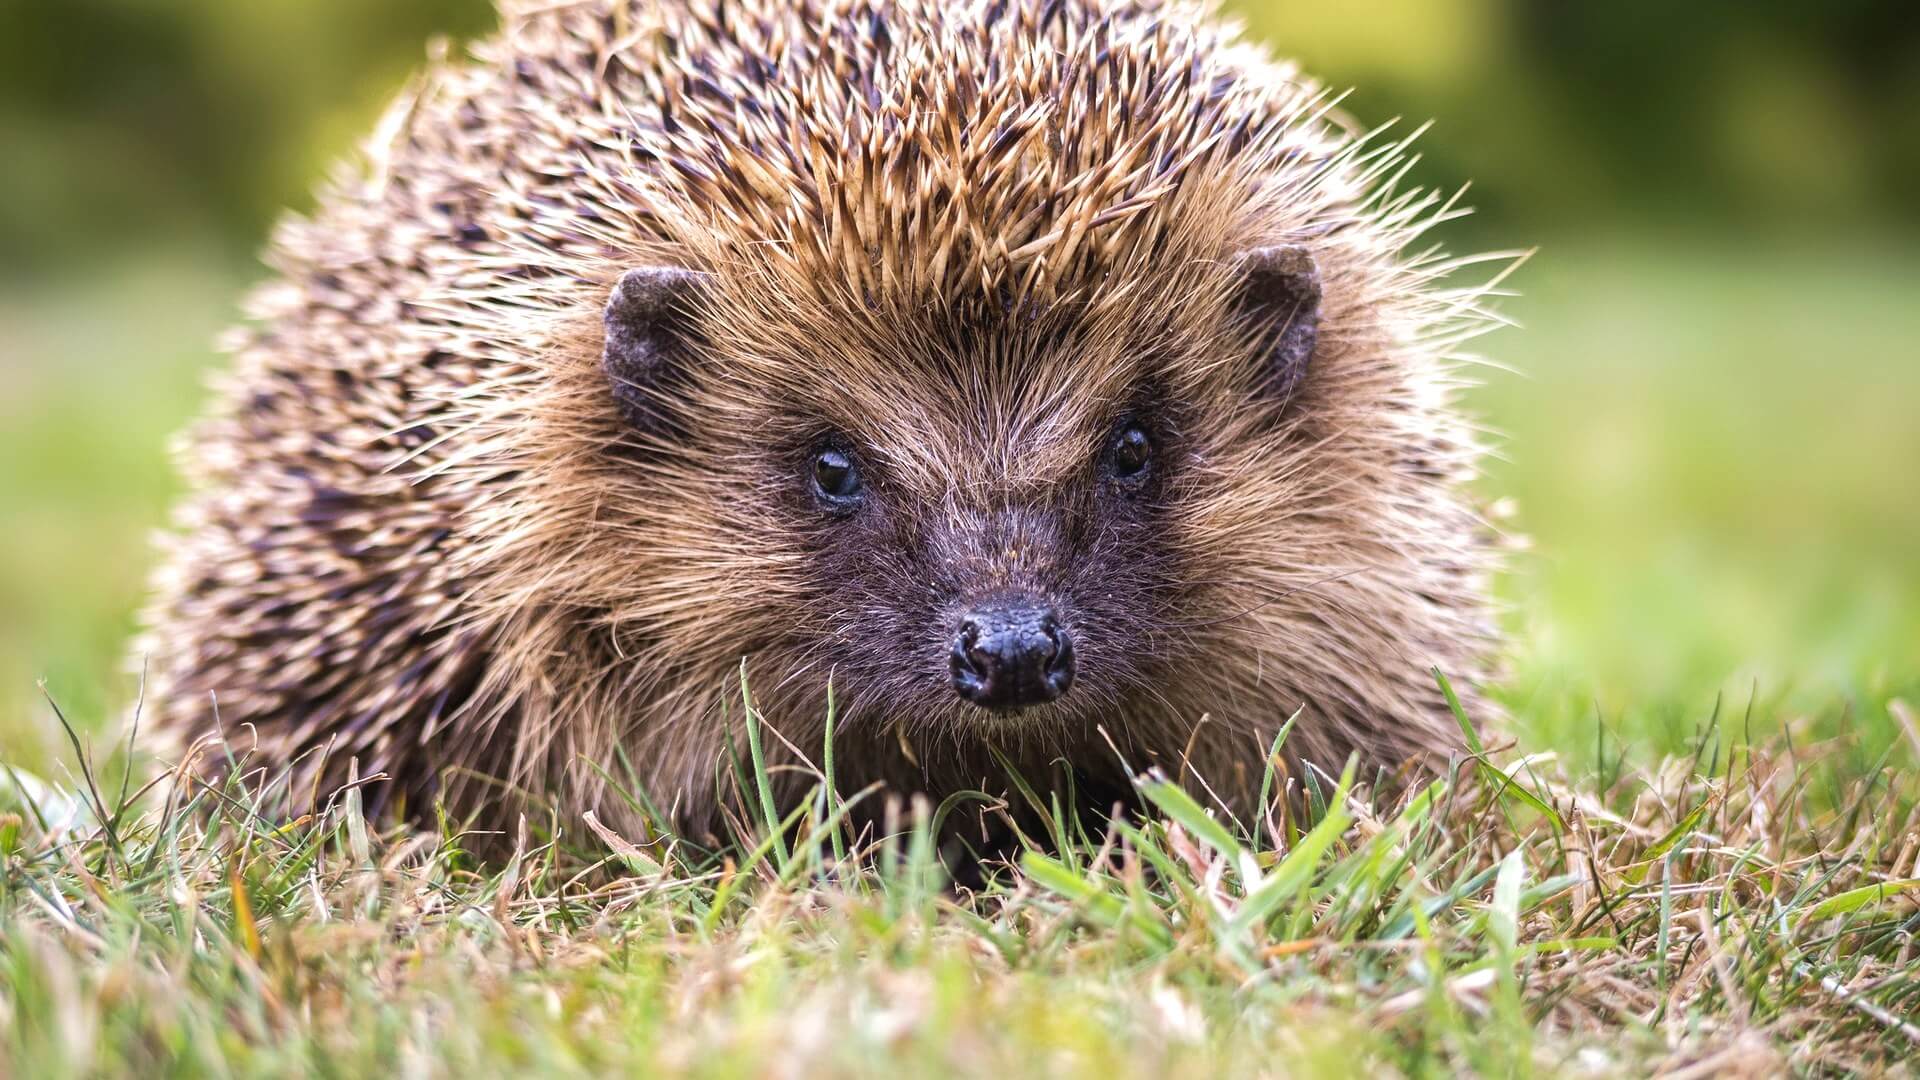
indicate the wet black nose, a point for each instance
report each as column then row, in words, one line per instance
column 1010, row 654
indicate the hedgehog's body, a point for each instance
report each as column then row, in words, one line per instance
column 1068, row 327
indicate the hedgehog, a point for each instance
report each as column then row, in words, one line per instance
column 1016, row 386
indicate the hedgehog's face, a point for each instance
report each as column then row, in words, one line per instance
column 1023, row 573
column 965, row 520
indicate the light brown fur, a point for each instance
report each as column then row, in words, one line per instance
column 422, row 538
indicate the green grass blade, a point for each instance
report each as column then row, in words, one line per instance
column 1297, row 868
column 760, row 778
column 1854, row 899
column 1181, row 808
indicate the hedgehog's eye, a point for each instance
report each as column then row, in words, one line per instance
column 1130, row 453
column 835, row 477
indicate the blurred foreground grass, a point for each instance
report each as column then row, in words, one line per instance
column 1712, row 449
column 1747, row 913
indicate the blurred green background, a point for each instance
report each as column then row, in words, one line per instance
column 1711, row 420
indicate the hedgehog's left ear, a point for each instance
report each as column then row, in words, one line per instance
column 649, row 324
column 1279, row 295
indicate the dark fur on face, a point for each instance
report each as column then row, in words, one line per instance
column 1043, row 379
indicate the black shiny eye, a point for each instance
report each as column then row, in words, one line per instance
column 835, row 476
column 1131, row 453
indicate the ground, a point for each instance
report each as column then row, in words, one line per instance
column 1691, row 846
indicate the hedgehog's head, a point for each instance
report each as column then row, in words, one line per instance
column 980, row 510
column 1056, row 372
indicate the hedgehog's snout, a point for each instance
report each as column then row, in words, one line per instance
column 1011, row 652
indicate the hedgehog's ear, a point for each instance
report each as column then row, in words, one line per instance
column 649, row 328
column 1279, row 295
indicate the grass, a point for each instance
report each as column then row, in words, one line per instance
column 1744, row 910
column 1691, row 848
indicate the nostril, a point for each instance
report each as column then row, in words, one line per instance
column 966, row 661
column 968, row 641
column 1059, row 662
column 1047, row 649
column 978, row 656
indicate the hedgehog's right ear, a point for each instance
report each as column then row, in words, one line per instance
column 1279, row 296
column 649, row 328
